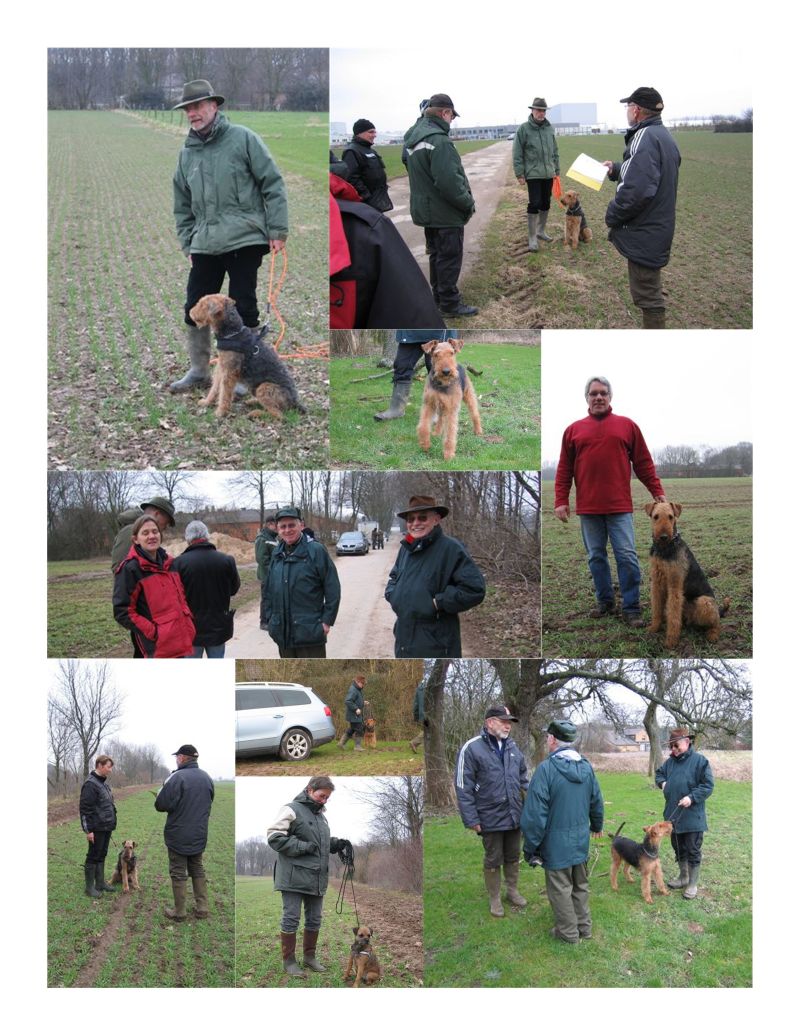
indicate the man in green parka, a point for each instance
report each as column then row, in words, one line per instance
column 535, row 157
column 563, row 806
column 230, row 210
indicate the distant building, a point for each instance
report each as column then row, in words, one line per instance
column 339, row 131
column 573, row 114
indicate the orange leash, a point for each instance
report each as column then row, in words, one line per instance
column 321, row 351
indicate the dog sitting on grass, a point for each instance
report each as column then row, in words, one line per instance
column 576, row 228
column 362, row 961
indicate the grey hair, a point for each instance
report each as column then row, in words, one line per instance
column 196, row 530
column 602, row 380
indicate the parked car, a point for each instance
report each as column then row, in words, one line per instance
column 352, row 542
column 285, row 719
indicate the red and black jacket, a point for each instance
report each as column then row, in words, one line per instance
column 150, row 601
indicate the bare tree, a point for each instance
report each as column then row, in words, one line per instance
column 170, row 482
column 88, row 704
column 396, row 808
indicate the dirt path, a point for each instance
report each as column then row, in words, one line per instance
column 486, row 170
column 363, row 627
column 397, row 918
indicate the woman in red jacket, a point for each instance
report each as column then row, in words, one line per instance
column 149, row 598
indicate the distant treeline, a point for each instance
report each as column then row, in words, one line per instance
column 732, row 124
column 693, row 462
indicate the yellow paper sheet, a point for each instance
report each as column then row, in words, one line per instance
column 588, row 172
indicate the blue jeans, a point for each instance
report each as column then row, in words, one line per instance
column 597, row 530
column 217, row 651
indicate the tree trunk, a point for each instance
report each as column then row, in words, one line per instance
column 438, row 783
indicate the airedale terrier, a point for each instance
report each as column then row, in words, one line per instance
column 643, row 857
column 243, row 355
column 678, row 585
column 576, row 228
column 127, row 870
column 446, row 386
column 362, row 960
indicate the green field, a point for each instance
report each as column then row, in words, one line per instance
column 389, row 758
column 124, row 940
column 80, row 618
column 508, row 391
column 670, row 944
column 392, row 153
column 116, row 285
column 708, row 280
column 717, row 524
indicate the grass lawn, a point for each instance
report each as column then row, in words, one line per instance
column 390, row 758
column 673, row 943
column 508, row 391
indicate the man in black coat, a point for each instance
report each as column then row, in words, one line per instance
column 641, row 215
column 365, row 168
column 186, row 797
column 210, row 578
column 98, row 818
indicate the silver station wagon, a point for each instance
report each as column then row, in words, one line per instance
column 285, row 719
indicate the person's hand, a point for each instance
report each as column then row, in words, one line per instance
column 358, row 711
column 597, row 833
column 476, row 828
column 685, row 802
column 660, row 499
column 277, row 246
column 562, row 512
column 326, row 628
column 521, row 181
column 90, row 837
column 608, row 165
column 532, row 857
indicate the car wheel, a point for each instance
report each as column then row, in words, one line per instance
column 295, row 745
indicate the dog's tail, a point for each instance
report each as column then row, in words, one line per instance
column 616, row 832
column 724, row 607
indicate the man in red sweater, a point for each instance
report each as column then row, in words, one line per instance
column 597, row 453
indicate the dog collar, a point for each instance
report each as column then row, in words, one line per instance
column 242, row 341
column 650, row 855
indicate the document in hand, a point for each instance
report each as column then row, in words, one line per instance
column 588, row 172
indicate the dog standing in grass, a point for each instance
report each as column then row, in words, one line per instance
column 446, row 386
column 642, row 856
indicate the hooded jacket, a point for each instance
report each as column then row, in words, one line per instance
column 367, row 173
column 490, row 784
column 440, row 191
column 564, row 803
column 96, row 808
column 186, row 797
column 689, row 773
column 641, row 215
column 301, row 837
column 227, row 191
column 210, row 579
column 150, row 601
column 433, row 579
column 300, row 591
column 535, row 151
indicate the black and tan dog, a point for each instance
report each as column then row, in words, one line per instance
column 679, row 589
column 127, row 871
column 447, row 384
column 363, row 962
column 244, row 356
column 576, row 228
column 643, row 856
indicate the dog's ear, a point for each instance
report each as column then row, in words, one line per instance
column 676, row 509
column 457, row 343
column 134, row 844
column 649, row 509
column 429, row 346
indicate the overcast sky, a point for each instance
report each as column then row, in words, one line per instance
column 492, row 84
column 171, row 703
column 699, row 394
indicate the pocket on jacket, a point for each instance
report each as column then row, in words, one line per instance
column 307, row 631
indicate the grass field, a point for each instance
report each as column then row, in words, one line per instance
column 116, row 286
column 508, row 396
column 389, row 758
column 708, row 280
column 396, row 917
column 80, row 618
column 717, row 524
column 670, row 944
column 124, row 941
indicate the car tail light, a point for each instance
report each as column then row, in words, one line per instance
column 328, row 712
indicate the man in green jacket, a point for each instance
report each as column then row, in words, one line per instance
column 535, row 157
column 354, row 714
column 564, row 804
column 441, row 200
column 230, row 210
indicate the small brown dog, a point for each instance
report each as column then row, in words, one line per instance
column 362, row 961
column 679, row 589
column 644, row 857
column 446, row 386
column 576, row 228
column 127, row 871
column 243, row 355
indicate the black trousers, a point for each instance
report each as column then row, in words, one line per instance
column 405, row 360
column 208, row 272
column 446, row 253
column 309, row 650
column 539, row 192
column 688, row 846
column 97, row 852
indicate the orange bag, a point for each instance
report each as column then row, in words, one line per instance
column 556, row 187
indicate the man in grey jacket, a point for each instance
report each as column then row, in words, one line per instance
column 186, row 797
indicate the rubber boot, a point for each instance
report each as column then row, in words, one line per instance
column 178, row 914
column 540, row 231
column 91, row 890
column 199, row 348
column 492, row 879
column 200, row 889
column 100, row 880
column 309, row 952
column 343, row 741
column 533, row 242
column 654, row 319
column 290, row 964
column 683, row 877
column 397, row 406
column 691, row 887
column 358, row 745
column 511, row 871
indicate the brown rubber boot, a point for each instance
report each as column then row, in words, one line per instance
column 654, row 319
column 511, row 871
column 178, row 914
column 343, row 742
column 683, row 877
column 290, row 964
column 310, row 952
column 200, row 889
column 492, row 880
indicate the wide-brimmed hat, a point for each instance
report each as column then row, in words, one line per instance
column 646, row 97
column 538, row 102
column 187, row 749
column 161, row 503
column 681, row 733
column 198, row 90
column 442, row 100
column 563, row 729
column 500, row 711
column 289, row 512
column 423, row 503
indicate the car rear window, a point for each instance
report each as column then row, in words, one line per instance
column 250, row 697
column 292, row 697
